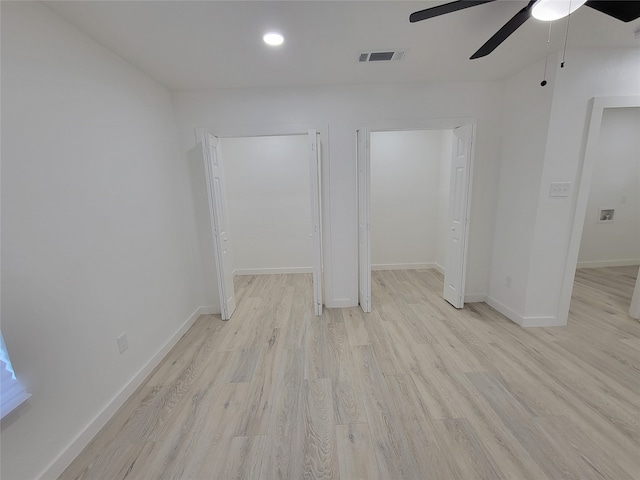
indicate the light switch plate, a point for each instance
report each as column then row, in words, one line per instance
column 559, row 189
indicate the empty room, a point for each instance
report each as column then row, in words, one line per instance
column 182, row 299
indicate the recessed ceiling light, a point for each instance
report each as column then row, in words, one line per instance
column 273, row 38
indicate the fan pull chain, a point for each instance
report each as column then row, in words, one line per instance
column 566, row 36
column 546, row 58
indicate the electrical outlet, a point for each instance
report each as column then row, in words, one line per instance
column 605, row 215
column 123, row 344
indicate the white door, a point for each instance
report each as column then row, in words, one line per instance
column 214, row 174
column 459, row 196
column 314, row 175
column 364, row 234
column 634, row 311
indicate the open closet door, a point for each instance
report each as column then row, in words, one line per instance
column 364, row 204
column 459, row 195
column 214, row 175
column 316, row 234
column 634, row 311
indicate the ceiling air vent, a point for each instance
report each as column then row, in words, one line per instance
column 381, row 56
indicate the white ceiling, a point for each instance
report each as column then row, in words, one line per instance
column 208, row 44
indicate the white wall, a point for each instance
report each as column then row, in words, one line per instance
column 616, row 174
column 97, row 232
column 98, row 227
column 405, row 197
column 587, row 74
column 524, row 127
column 337, row 112
column 544, row 130
column 268, row 193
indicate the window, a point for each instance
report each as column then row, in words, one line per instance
column 11, row 390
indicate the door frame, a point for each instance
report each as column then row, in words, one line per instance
column 413, row 125
column 586, row 167
column 313, row 153
column 319, row 251
column 363, row 163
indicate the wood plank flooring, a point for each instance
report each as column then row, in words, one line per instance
column 415, row 390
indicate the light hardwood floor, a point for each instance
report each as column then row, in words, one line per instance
column 415, row 389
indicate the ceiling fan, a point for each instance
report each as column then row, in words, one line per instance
column 624, row 10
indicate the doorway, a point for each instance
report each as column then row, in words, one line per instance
column 413, row 197
column 267, row 185
column 409, row 198
column 606, row 219
column 264, row 208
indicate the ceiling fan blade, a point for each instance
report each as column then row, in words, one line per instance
column 444, row 9
column 501, row 35
column 626, row 11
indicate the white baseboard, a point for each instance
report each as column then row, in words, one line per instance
column 521, row 319
column 542, row 322
column 211, row 310
column 272, row 271
column 340, row 303
column 438, row 267
column 608, row 263
column 474, row 297
column 506, row 311
column 55, row 469
column 403, row 266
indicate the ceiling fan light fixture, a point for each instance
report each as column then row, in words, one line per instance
column 273, row 39
column 549, row 10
